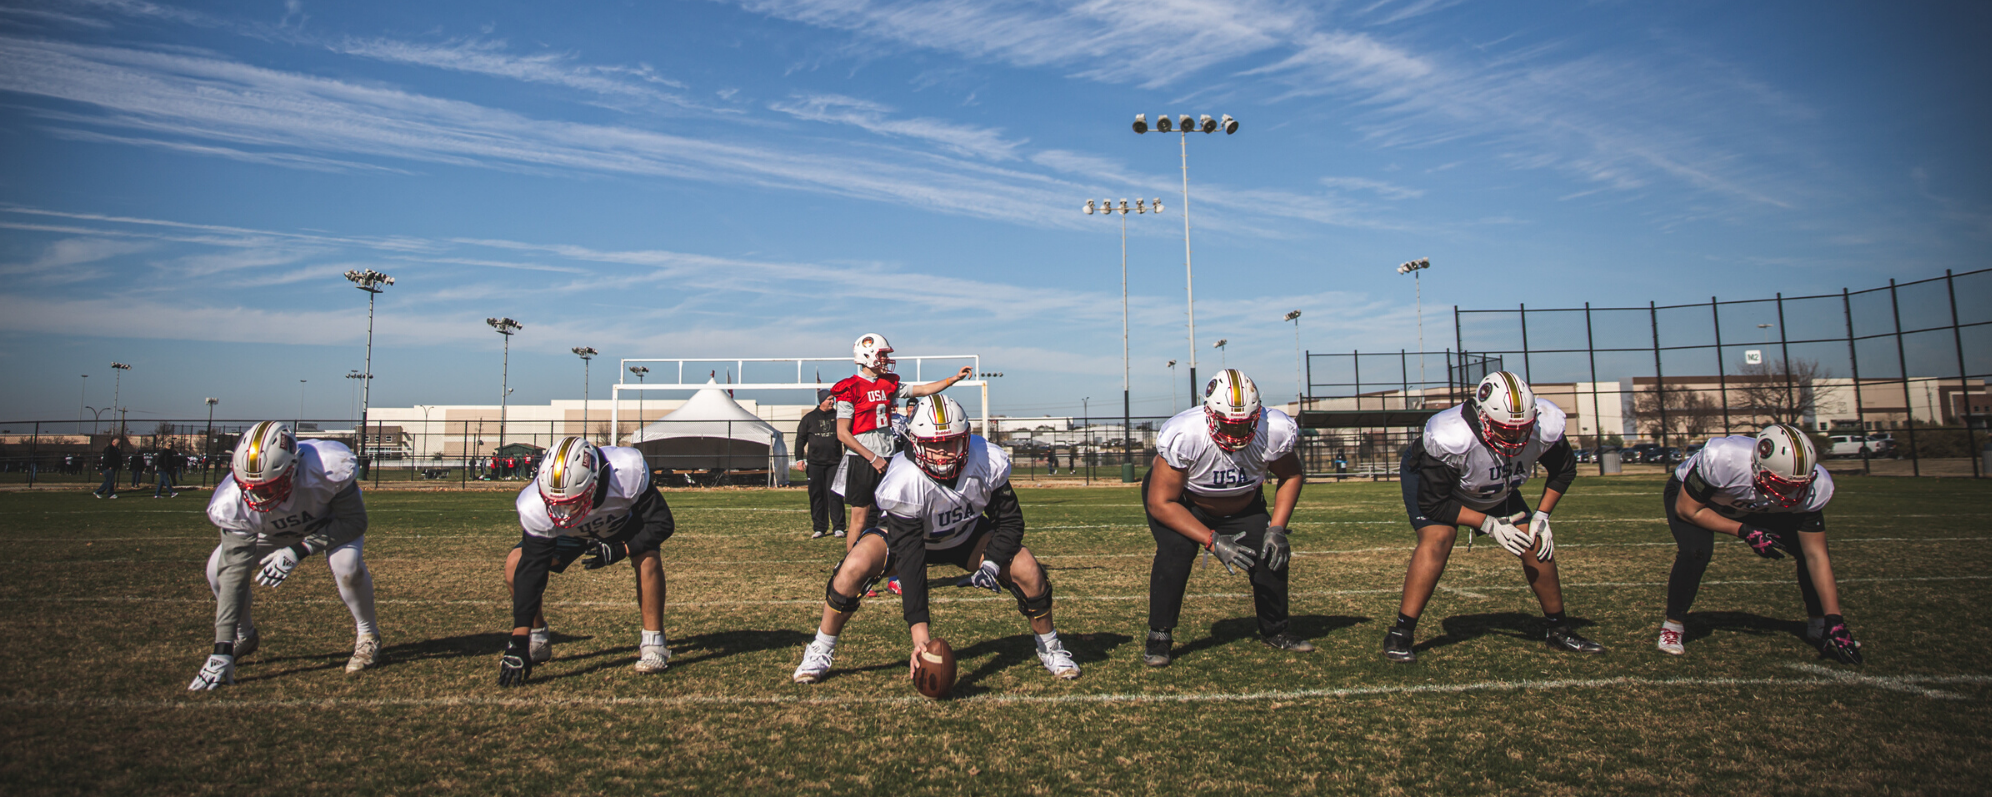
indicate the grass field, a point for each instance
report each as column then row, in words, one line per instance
column 113, row 617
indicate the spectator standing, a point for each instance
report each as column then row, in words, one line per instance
column 137, row 465
column 818, row 452
column 166, row 463
column 112, row 461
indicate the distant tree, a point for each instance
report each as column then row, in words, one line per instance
column 1777, row 392
column 1668, row 411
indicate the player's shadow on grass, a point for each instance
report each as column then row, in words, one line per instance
column 1021, row 649
column 1701, row 624
column 1310, row 627
column 1464, row 627
column 686, row 651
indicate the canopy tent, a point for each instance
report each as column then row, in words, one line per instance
column 713, row 433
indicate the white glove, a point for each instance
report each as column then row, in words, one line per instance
column 219, row 670
column 278, row 566
column 1539, row 529
column 985, row 577
column 1515, row 540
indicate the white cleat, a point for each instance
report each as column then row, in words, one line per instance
column 655, row 658
column 1059, row 661
column 366, row 652
column 1670, row 642
column 815, row 663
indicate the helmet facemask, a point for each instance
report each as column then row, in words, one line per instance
column 1232, row 435
column 1507, row 439
column 565, row 513
column 941, row 457
column 265, row 495
column 1786, row 492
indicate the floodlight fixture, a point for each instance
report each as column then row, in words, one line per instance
column 1141, row 123
column 586, row 352
column 1163, row 124
column 1291, row 316
column 1089, row 207
column 1206, row 124
column 1185, row 123
column 1220, row 343
column 369, row 280
column 505, row 326
column 1229, row 124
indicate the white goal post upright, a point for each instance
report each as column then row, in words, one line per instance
column 670, row 375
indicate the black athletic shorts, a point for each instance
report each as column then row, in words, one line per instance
column 1409, row 477
column 960, row 555
column 861, row 481
column 568, row 549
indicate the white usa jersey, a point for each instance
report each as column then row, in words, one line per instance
column 1727, row 466
column 629, row 478
column 1185, row 444
column 1485, row 478
column 324, row 468
column 947, row 515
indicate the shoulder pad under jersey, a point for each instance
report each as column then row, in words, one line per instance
column 1550, row 421
column 1447, row 435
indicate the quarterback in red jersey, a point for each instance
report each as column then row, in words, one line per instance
column 864, row 422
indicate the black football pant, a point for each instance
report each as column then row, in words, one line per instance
column 825, row 505
column 1176, row 556
column 1697, row 544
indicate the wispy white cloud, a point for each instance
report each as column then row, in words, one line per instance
column 1378, row 187
column 493, row 57
column 975, row 141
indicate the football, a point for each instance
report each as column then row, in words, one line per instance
column 934, row 670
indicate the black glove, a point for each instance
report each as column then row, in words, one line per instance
column 1232, row 552
column 1839, row 643
column 1276, row 550
column 606, row 553
column 1762, row 541
column 517, row 664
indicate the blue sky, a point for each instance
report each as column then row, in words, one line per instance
column 181, row 185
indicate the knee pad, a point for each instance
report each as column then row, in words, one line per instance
column 1033, row 608
column 839, row 602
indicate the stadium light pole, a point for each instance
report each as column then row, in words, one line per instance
column 371, row 282
column 641, row 372
column 1413, row 267
column 1140, row 207
column 1172, row 387
column 506, row 327
column 82, row 401
column 1184, row 125
column 1224, row 361
column 587, row 354
column 300, row 408
column 1300, row 384
column 354, row 373
column 117, row 391
column 207, row 451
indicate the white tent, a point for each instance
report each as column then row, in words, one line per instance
column 713, row 433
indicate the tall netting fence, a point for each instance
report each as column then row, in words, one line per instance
column 1888, row 380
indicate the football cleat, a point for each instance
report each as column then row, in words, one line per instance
column 655, row 658
column 1286, row 641
column 1156, row 652
column 366, row 653
column 815, row 663
column 246, row 644
column 892, row 586
column 1670, row 642
column 1397, row 646
column 1563, row 637
column 839, row 534
column 818, row 534
column 1058, row 661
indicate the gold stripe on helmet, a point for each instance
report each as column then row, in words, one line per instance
column 1514, row 392
column 940, row 411
column 559, row 462
column 1799, row 466
column 256, row 448
column 1237, row 389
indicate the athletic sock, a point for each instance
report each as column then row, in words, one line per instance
column 826, row 640
column 653, row 638
column 1555, row 618
column 1152, row 631
column 1833, row 620
column 1047, row 640
column 1675, row 626
column 1406, row 624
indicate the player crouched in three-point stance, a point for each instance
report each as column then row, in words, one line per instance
column 593, row 501
column 1467, row 469
column 864, row 423
column 1204, row 491
column 951, row 504
column 1770, row 491
column 285, row 500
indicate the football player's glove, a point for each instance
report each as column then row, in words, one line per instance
column 985, row 577
column 218, row 671
column 1839, row 643
column 1539, row 529
column 278, row 565
column 1762, row 541
column 1276, row 550
column 1514, row 540
column 606, row 553
column 517, row 664
column 1232, row 552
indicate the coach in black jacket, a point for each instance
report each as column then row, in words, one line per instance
column 816, row 447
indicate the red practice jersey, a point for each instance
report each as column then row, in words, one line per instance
column 867, row 402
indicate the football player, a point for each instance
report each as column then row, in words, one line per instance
column 947, row 501
column 1205, row 490
column 285, row 500
column 595, row 501
column 1771, row 492
column 1467, row 469
column 864, row 423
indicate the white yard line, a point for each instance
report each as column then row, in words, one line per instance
column 1829, row 679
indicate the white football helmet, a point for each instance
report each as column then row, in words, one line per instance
column 939, row 432
column 871, row 351
column 1231, row 405
column 1507, row 410
column 1783, row 464
column 264, row 462
column 568, row 480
